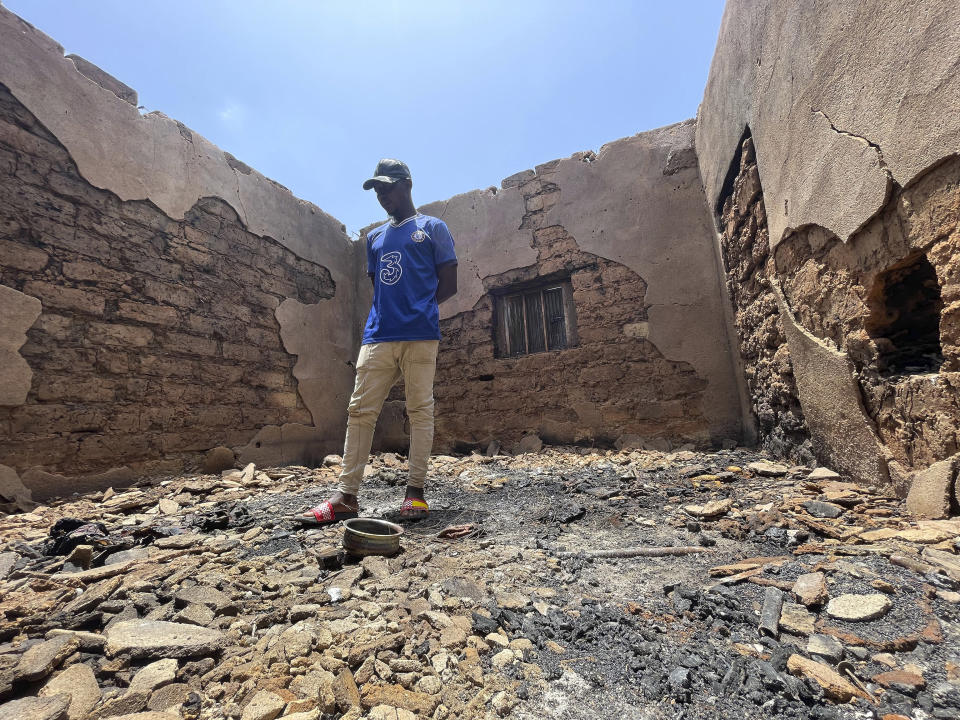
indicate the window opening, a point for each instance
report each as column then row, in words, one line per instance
column 905, row 318
column 534, row 320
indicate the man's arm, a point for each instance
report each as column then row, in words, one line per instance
column 446, row 282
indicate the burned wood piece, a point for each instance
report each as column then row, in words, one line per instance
column 631, row 552
column 456, row 532
column 770, row 614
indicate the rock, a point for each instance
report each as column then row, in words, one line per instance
column 502, row 703
column 858, row 608
column 319, row 685
column 834, row 686
column 503, row 658
column 34, row 708
column 125, row 704
column 908, row 683
column 168, row 507
column 822, row 473
column 512, row 601
column 169, row 696
column 155, row 675
column 826, row 646
column 530, row 444
column 396, row 696
column 158, row 639
column 796, row 619
column 79, row 682
column 133, row 554
column 714, row 508
column 45, row 657
column 429, row 684
column 345, row 691
column 823, row 509
column 81, row 556
column 331, row 460
column 90, row 642
column 195, row 615
column 7, row 562
column 810, row 589
column 930, row 491
column 387, row 712
column 767, row 469
column 218, row 601
column 14, row 491
column 265, row 705
column 453, row 637
column 92, row 596
column 217, row 460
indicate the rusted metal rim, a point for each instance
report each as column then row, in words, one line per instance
column 370, row 536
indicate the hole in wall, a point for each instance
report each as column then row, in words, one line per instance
column 904, row 323
column 484, row 378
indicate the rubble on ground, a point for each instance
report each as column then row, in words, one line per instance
column 522, row 595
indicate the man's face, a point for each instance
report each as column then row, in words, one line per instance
column 390, row 195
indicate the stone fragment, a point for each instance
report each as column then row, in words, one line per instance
column 396, row 696
column 92, row 596
column 89, row 641
column 822, row 473
column 944, row 560
column 216, row 600
column 345, row 691
column 217, row 460
column 79, row 682
column 796, row 619
column 169, row 696
column 45, row 657
column 908, row 683
column 858, row 608
column 503, row 658
column 826, row 646
column 835, row 686
column 925, row 535
column 714, row 508
column 768, row 469
column 124, row 704
column 12, row 489
column 133, row 554
column 159, row 639
column 81, row 556
column 502, row 703
column 318, row 685
column 823, row 509
column 331, row 460
column 265, row 705
column 810, row 589
column 930, row 491
column 429, row 684
column 195, row 614
column 155, row 675
column 168, row 507
column 36, row 708
column 387, row 712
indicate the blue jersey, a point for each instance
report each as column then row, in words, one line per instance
column 403, row 259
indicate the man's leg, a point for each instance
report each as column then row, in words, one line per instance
column 377, row 372
column 418, row 364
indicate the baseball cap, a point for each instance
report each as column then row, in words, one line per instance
column 388, row 171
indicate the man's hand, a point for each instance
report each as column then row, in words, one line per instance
column 446, row 282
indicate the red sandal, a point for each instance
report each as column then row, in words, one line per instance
column 323, row 514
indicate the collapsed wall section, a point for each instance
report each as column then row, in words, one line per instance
column 165, row 271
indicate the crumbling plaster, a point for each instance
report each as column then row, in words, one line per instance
column 840, row 104
column 17, row 313
column 156, row 158
column 640, row 203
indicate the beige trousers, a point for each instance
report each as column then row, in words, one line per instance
column 379, row 366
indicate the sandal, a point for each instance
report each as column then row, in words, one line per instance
column 324, row 514
column 414, row 509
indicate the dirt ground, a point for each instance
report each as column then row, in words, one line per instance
column 200, row 597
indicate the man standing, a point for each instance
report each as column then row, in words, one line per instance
column 413, row 267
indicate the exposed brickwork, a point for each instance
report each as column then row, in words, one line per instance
column 613, row 382
column 835, row 288
column 158, row 337
column 745, row 244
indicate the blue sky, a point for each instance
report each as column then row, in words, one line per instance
column 312, row 93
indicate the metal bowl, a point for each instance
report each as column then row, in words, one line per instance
column 367, row 536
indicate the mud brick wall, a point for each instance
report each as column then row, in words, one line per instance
column 158, row 338
column 612, row 382
column 889, row 299
column 748, row 266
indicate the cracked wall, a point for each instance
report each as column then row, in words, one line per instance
column 628, row 227
column 185, row 297
column 855, row 129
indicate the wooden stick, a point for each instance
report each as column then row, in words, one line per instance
column 639, row 552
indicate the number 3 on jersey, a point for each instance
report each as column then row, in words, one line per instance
column 390, row 270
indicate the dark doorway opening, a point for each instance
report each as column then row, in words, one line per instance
column 904, row 320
